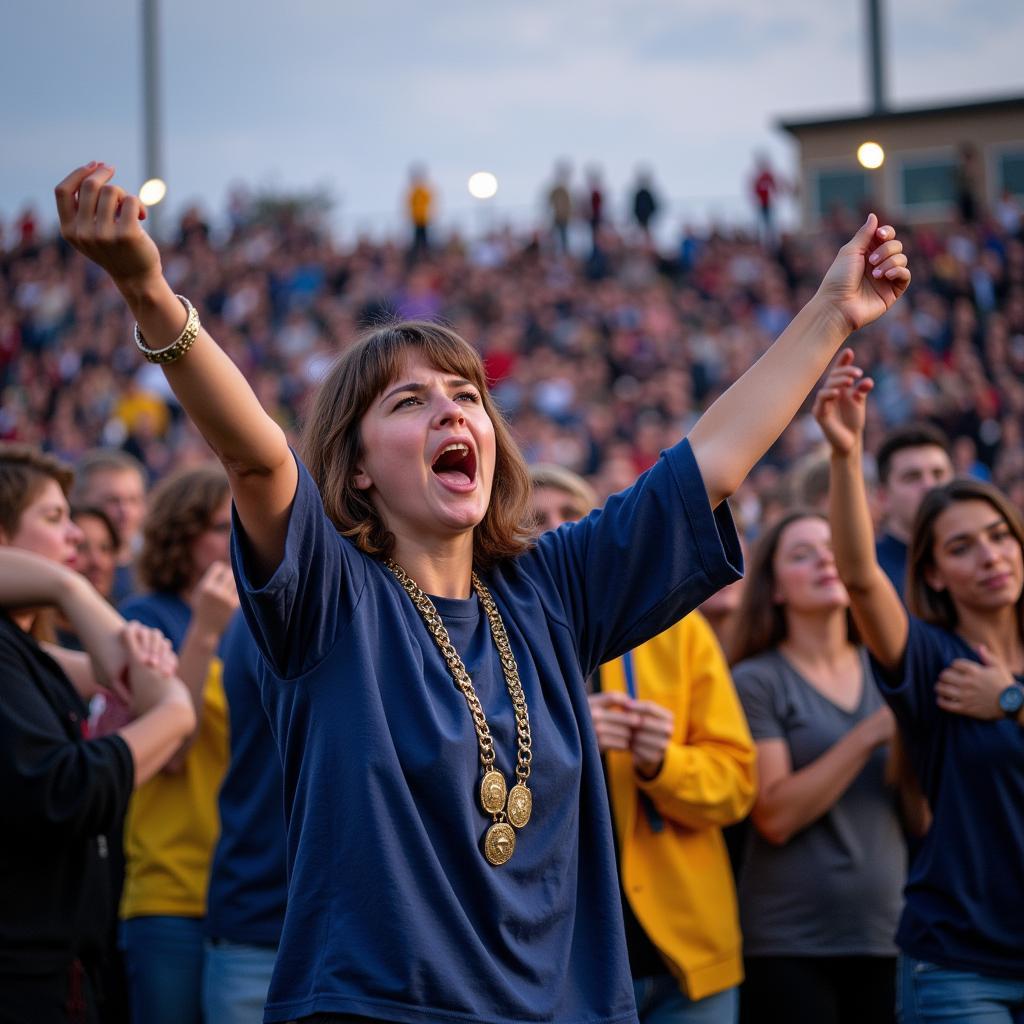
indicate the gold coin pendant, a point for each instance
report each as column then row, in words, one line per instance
column 493, row 791
column 520, row 804
column 499, row 843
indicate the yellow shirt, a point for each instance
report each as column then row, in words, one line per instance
column 678, row 880
column 173, row 824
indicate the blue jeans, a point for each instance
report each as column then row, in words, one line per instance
column 235, row 982
column 659, row 1000
column 926, row 992
column 163, row 963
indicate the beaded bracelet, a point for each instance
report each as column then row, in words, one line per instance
column 177, row 348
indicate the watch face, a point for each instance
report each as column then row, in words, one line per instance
column 1011, row 700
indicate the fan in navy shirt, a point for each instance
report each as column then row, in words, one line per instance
column 394, row 913
column 954, row 683
column 248, row 879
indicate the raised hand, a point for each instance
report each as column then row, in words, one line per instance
column 102, row 221
column 868, row 275
column 839, row 405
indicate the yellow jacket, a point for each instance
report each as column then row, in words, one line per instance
column 672, row 857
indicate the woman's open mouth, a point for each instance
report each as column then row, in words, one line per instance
column 455, row 464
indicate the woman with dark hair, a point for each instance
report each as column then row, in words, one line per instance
column 172, row 821
column 820, row 885
column 445, row 864
column 951, row 670
column 64, row 793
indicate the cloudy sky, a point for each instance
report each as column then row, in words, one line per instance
column 307, row 93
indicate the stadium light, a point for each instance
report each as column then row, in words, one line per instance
column 152, row 191
column 870, row 155
column 483, row 185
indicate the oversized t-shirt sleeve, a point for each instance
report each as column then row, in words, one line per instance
column 655, row 551
column 757, row 686
column 910, row 689
column 298, row 613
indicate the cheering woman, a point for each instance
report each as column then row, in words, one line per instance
column 951, row 670
column 449, row 843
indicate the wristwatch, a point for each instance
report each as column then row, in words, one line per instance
column 1011, row 700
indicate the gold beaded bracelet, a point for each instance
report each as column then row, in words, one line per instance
column 177, row 348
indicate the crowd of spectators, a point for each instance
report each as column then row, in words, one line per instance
column 601, row 356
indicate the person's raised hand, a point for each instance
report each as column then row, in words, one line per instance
column 868, row 274
column 614, row 720
column 839, row 405
column 102, row 221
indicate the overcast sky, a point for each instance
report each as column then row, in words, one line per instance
column 305, row 93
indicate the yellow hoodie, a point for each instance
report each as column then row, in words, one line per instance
column 672, row 857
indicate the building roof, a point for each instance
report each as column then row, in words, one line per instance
column 991, row 105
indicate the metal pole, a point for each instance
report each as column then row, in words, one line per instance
column 151, row 127
column 876, row 57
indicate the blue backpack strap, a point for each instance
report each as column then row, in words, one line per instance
column 654, row 818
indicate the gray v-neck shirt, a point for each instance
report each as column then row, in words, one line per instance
column 835, row 888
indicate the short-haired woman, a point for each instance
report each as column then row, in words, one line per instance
column 450, row 850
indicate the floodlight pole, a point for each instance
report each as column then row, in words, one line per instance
column 876, row 57
column 151, row 125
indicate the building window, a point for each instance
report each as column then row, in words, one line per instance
column 842, row 190
column 929, row 183
column 1011, row 173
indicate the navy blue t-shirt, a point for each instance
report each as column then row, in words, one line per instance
column 393, row 912
column 162, row 610
column 892, row 557
column 965, row 893
column 248, row 880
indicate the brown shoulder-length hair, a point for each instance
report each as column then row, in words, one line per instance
column 331, row 444
column 24, row 472
column 936, row 606
column 760, row 619
column 181, row 508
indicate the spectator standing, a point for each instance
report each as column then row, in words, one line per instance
column 825, row 861
column 172, row 821
column 560, row 206
column 645, row 202
column 765, row 187
column 420, row 206
column 248, row 879
column 679, row 762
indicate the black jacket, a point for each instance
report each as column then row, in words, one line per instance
column 60, row 794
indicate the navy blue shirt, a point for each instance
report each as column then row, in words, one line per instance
column 965, row 893
column 161, row 610
column 892, row 557
column 248, row 880
column 393, row 912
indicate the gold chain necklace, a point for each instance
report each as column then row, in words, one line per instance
column 503, row 806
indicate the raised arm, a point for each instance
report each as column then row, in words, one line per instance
column 877, row 609
column 103, row 222
column 869, row 274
